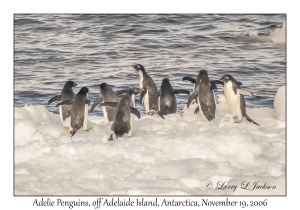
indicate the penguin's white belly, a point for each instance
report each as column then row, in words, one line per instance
column 233, row 102
column 60, row 114
column 131, row 125
column 201, row 109
column 131, row 116
column 105, row 113
column 85, row 117
column 194, row 91
column 146, row 102
column 133, row 100
column 141, row 83
column 141, row 79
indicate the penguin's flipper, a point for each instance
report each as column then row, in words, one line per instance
column 160, row 114
column 216, row 82
column 245, row 92
column 136, row 112
column 239, row 83
column 66, row 102
column 55, row 98
column 96, row 104
column 191, row 98
column 213, row 87
column 87, row 102
column 120, row 92
column 179, row 91
column 111, row 104
column 142, row 95
column 192, row 80
column 250, row 120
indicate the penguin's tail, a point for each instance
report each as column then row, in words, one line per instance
column 250, row 120
column 72, row 133
column 160, row 114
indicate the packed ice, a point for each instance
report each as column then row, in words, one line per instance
column 181, row 155
column 277, row 36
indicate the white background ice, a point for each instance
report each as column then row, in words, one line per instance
column 178, row 155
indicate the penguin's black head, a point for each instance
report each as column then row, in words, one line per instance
column 103, row 85
column 138, row 67
column 226, row 78
column 166, row 81
column 83, row 90
column 70, row 84
column 203, row 75
column 202, row 72
column 134, row 91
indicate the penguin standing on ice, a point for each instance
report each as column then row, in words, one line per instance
column 107, row 95
column 167, row 99
column 122, row 123
column 149, row 95
column 66, row 94
column 213, row 87
column 234, row 96
column 204, row 96
column 212, row 84
column 79, row 110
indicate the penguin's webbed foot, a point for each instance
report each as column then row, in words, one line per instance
column 131, row 136
column 72, row 133
column 110, row 138
column 89, row 129
column 234, row 117
column 237, row 121
column 196, row 111
column 151, row 113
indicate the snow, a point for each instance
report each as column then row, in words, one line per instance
column 175, row 156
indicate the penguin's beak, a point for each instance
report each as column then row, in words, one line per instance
column 75, row 84
column 221, row 79
column 135, row 67
column 139, row 90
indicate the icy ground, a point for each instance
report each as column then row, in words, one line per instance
column 181, row 155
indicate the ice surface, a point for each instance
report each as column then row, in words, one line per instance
column 279, row 104
column 276, row 36
column 175, row 156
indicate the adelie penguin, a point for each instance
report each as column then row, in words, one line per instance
column 122, row 123
column 107, row 95
column 204, row 95
column 234, row 96
column 167, row 99
column 79, row 110
column 149, row 95
column 65, row 94
column 213, row 87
